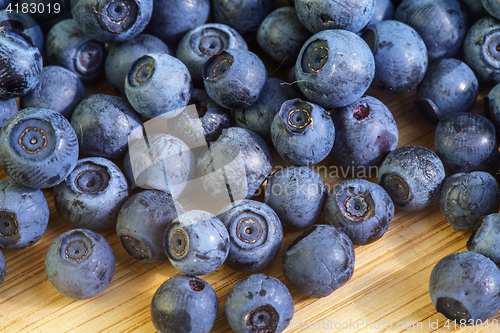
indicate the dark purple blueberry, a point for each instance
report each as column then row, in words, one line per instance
column 23, row 22
column 465, row 287
column 466, row 142
column 384, row 10
column 8, row 108
column 485, row 238
column 142, row 221
column 184, row 304
column 80, row 264
column 259, row 304
column 319, row 261
column 24, row 215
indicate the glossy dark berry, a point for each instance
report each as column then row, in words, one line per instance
column 255, row 235
column 334, row 68
column 150, row 94
column 449, row 86
column 200, row 43
column 260, row 115
column 92, row 194
column 492, row 106
column 248, row 160
column 24, row 215
column 365, row 132
column 80, row 264
column 442, row 24
column 282, row 35
column 319, row 261
column 400, row 56
column 361, row 209
column 172, row 19
column 184, row 304
column 142, row 221
column 196, row 243
column 59, row 90
column 103, row 124
column 23, row 22
column 412, row 176
column 319, row 15
column 302, row 133
column 482, row 49
column 485, row 238
column 234, row 78
column 465, row 286
column 8, row 108
column 21, row 63
column 258, row 304
column 475, row 10
column 297, row 195
column 38, row 147
column 466, row 142
column 492, row 7
column 67, row 46
column 121, row 57
column 112, row 21
column 384, row 10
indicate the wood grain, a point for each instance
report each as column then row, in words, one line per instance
column 389, row 286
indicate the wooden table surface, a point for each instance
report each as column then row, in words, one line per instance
column 388, row 291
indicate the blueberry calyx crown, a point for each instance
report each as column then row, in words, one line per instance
column 263, row 319
column 135, row 248
column 217, row 66
column 8, row 224
column 452, row 309
column 33, row 139
column 196, row 284
column 396, row 187
column 117, row 16
column 141, row 71
column 211, row 45
column 89, row 178
column 248, row 230
column 36, row 137
column 210, row 41
column 297, row 116
column 88, row 58
column 179, row 243
column 315, row 56
column 491, row 48
column 75, row 246
column 357, row 206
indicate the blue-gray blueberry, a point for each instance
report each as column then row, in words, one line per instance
column 23, row 22
column 8, row 108
column 485, row 238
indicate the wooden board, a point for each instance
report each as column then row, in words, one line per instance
column 388, row 292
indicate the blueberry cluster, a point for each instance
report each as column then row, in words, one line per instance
column 195, row 110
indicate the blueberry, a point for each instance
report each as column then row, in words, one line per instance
column 318, row 15
column 334, row 68
column 24, row 215
column 184, row 304
column 482, row 49
column 475, row 10
column 281, row 35
column 3, row 268
column 384, row 10
column 400, row 56
column 21, row 63
column 38, row 147
column 319, row 261
column 365, row 132
column 145, row 164
column 465, row 286
column 23, row 22
column 361, row 209
column 297, row 195
column 234, row 78
column 465, row 197
column 255, row 235
column 53, row 11
column 449, row 86
column 196, row 243
column 492, row 106
column 103, row 124
column 484, row 239
column 260, row 115
column 112, row 21
column 172, row 19
column 412, row 176
column 442, row 24
column 245, row 16
column 8, row 108
column 202, row 114
column 466, row 142
column 80, row 264
column 67, row 46
column 492, row 7
column 158, row 84
column 237, row 163
column 200, row 43
column 142, row 221
column 302, row 133
column 121, row 57
column 258, row 304
column 92, row 194
column 56, row 79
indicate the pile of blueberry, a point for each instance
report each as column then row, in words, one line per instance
column 87, row 149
